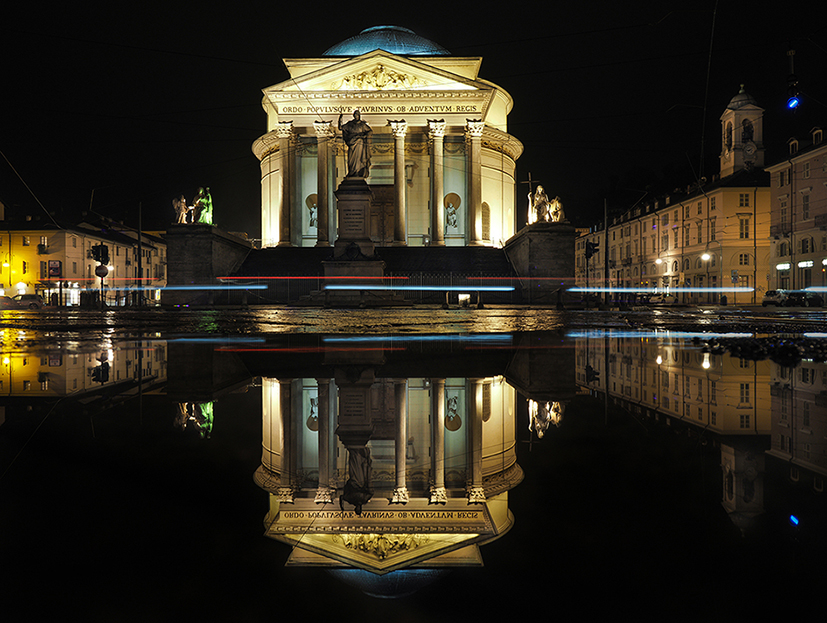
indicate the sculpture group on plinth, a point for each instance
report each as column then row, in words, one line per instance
column 541, row 210
column 199, row 212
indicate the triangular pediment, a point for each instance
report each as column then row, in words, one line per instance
column 381, row 71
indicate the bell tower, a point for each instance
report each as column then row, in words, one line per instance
column 742, row 134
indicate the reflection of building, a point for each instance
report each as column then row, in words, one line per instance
column 39, row 257
column 713, row 235
column 799, row 215
column 442, row 459
column 442, row 162
column 752, row 409
column 64, row 374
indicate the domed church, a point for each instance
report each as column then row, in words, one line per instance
column 441, row 162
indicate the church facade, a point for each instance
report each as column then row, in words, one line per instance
column 442, row 164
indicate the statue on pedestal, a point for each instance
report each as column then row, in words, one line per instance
column 202, row 207
column 181, row 209
column 356, row 134
column 540, row 209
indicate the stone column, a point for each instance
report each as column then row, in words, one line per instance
column 324, row 494
column 284, row 131
column 473, row 134
column 474, row 488
column 324, row 131
column 438, row 493
column 400, row 491
column 288, row 456
column 436, row 132
column 400, row 234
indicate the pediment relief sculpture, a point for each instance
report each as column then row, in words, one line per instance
column 378, row 79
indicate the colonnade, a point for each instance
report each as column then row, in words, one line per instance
column 287, row 435
column 435, row 130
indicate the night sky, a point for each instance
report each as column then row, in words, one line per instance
column 144, row 102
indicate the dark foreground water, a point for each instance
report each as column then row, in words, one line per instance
column 142, row 458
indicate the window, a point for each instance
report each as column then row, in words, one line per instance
column 743, row 200
column 712, row 203
column 700, row 233
column 780, row 179
column 74, row 242
column 745, row 395
column 743, row 259
column 665, row 242
column 805, row 206
column 700, row 207
column 784, row 215
column 686, row 236
column 712, row 229
column 744, row 420
column 806, row 170
column 26, row 241
column 743, row 225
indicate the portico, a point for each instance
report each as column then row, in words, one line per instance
column 440, row 151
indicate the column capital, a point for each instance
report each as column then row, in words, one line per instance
column 324, row 129
column 284, row 129
column 400, row 127
column 474, row 127
column 436, row 128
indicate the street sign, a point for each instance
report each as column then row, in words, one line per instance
column 101, row 271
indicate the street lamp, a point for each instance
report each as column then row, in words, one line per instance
column 707, row 256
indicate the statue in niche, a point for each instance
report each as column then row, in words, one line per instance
column 452, row 203
column 202, row 207
column 311, row 203
column 182, row 211
column 357, row 488
column 540, row 209
column 356, row 134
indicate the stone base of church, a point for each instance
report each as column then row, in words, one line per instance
column 542, row 254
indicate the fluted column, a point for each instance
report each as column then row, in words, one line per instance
column 400, row 234
column 400, row 491
column 324, row 131
column 436, row 132
column 438, row 493
column 473, row 134
column 324, row 494
column 284, row 131
column 288, row 457
column 474, row 488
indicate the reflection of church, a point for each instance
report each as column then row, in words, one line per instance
column 433, row 458
column 442, row 161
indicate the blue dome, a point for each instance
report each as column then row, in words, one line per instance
column 393, row 39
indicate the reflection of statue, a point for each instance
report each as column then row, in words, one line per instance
column 181, row 209
column 540, row 209
column 202, row 207
column 356, row 134
column 542, row 415
column 357, row 488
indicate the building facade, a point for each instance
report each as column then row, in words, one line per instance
column 699, row 242
column 799, row 215
column 57, row 262
column 442, row 162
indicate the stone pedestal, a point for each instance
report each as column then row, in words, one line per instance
column 542, row 254
column 353, row 199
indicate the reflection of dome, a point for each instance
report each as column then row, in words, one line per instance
column 393, row 39
column 742, row 99
column 391, row 585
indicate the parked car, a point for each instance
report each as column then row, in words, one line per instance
column 803, row 299
column 663, row 299
column 774, row 297
column 29, row 301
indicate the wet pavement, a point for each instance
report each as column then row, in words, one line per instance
column 669, row 463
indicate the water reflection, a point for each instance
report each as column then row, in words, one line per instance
column 391, row 460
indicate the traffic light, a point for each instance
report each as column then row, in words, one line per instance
column 100, row 253
column 591, row 248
